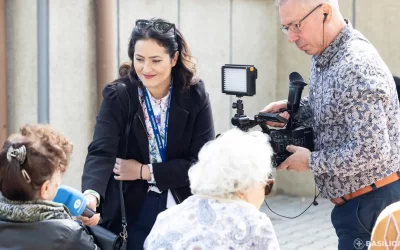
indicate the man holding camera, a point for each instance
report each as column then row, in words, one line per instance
column 353, row 109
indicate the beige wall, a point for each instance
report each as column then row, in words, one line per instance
column 255, row 39
column 73, row 96
column 21, row 48
column 254, row 42
column 72, row 72
column 379, row 22
column 209, row 41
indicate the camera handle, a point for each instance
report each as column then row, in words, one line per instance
column 241, row 120
column 273, row 117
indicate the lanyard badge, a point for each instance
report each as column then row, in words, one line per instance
column 162, row 147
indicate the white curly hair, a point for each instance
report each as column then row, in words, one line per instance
column 235, row 161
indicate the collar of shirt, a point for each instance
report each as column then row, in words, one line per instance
column 163, row 100
column 323, row 59
column 159, row 102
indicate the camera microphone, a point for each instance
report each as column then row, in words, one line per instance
column 296, row 85
column 294, row 77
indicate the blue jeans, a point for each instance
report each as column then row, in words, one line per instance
column 154, row 204
column 355, row 219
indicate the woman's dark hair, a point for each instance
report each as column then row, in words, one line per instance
column 183, row 72
column 46, row 152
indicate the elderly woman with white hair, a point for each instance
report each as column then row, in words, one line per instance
column 229, row 184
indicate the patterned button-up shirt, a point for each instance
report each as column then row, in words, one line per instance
column 353, row 108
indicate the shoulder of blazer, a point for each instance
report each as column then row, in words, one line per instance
column 198, row 94
column 110, row 90
column 115, row 94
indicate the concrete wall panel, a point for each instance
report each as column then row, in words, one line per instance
column 21, row 45
column 379, row 22
column 205, row 27
column 254, row 42
column 73, row 93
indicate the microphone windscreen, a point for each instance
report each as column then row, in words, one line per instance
column 72, row 198
column 295, row 77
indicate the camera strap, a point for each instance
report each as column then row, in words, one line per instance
column 162, row 147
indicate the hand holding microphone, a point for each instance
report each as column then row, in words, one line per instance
column 91, row 204
column 91, row 201
column 78, row 204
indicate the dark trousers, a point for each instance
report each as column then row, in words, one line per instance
column 154, row 204
column 355, row 219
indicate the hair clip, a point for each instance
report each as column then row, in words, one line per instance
column 26, row 176
column 18, row 153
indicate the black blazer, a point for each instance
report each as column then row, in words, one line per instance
column 190, row 127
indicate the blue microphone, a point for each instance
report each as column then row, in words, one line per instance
column 74, row 200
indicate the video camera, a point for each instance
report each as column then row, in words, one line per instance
column 240, row 80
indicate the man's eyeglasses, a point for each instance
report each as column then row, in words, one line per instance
column 162, row 27
column 296, row 27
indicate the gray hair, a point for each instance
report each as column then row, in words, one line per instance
column 236, row 161
column 310, row 3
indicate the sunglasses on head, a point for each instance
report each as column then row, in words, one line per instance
column 159, row 26
column 268, row 187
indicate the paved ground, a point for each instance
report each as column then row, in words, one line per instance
column 311, row 231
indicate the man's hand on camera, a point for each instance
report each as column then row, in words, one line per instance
column 275, row 107
column 298, row 161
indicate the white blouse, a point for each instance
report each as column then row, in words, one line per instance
column 207, row 223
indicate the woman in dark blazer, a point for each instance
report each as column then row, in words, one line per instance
column 168, row 102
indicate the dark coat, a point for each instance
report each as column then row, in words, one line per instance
column 190, row 126
column 54, row 234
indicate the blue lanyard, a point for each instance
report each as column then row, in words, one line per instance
column 162, row 148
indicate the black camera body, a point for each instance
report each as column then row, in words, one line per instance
column 280, row 139
column 292, row 134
